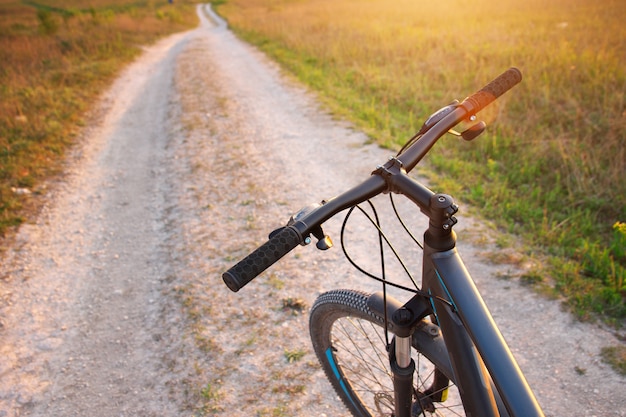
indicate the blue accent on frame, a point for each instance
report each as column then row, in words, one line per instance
column 446, row 290
column 432, row 302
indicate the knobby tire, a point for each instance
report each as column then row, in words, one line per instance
column 349, row 341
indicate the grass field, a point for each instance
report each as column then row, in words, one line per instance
column 551, row 167
column 56, row 57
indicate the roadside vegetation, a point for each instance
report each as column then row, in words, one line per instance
column 56, row 57
column 550, row 167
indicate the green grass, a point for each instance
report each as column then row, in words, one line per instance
column 616, row 357
column 550, row 167
column 56, row 58
column 294, row 355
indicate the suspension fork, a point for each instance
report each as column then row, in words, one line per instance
column 402, row 368
column 405, row 320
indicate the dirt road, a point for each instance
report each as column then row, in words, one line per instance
column 112, row 302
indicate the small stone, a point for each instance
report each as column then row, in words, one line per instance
column 21, row 191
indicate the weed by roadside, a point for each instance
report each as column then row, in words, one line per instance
column 616, row 357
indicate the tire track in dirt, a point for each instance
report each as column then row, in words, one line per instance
column 86, row 330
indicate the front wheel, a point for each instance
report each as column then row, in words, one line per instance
column 349, row 340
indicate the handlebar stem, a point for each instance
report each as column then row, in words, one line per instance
column 440, row 235
column 440, row 208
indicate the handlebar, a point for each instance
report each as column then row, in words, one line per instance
column 286, row 239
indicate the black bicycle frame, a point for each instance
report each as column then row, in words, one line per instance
column 468, row 328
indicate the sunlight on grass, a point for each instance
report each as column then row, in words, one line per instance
column 551, row 164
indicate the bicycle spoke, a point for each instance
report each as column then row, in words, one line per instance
column 373, row 361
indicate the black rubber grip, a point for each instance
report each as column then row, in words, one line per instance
column 505, row 81
column 262, row 258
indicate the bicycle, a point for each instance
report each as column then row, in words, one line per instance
column 389, row 358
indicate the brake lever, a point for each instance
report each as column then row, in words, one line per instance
column 323, row 241
column 472, row 132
